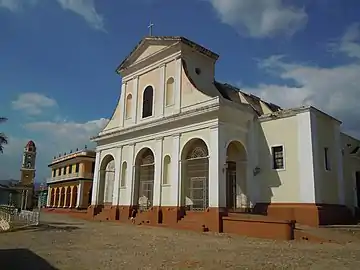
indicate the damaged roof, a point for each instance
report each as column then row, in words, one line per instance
column 227, row 90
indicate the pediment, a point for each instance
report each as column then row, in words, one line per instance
column 144, row 50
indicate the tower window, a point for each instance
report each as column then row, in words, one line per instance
column 70, row 169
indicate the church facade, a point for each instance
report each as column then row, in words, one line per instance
column 181, row 145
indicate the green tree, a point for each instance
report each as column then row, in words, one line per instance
column 3, row 138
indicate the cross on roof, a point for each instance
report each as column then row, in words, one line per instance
column 150, row 27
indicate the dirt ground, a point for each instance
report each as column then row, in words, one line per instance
column 66, row 243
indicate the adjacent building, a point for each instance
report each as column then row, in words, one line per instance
column 181, row 142
column 71, row 179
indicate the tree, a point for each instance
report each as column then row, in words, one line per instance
column 3, row 138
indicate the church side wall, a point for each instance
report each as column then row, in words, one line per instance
column 282, row 185
column 350, row 166
column 328, row 179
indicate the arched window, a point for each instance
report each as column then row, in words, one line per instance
column 167, row 170
column 148, row 96
column 169, row 94
column 123, row 174
column 128, row 106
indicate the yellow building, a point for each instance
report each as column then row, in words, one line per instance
column 70, row 184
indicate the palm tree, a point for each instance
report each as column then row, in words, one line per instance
column 3, row 138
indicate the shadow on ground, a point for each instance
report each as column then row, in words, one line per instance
column 45, row 227
column 22, row 259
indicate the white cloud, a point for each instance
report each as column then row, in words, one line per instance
column 335, row 90
column 33, row 103
column 260, row 18
column 84, row 8
column 65, row 135
column 51, row 138
column 12, row 5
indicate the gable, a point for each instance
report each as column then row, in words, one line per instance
column 147, row 51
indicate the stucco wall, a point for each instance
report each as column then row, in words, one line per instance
column 279, row 186
column 327, row 182
column 351, row 165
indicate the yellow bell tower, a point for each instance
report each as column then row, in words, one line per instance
column 28, row 164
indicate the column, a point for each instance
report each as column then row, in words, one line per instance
column 71, row 197
column 65, row 196
column 135, row 99
column 60, row 195
column 339, row 164
column 158, row 171
column 131, row 175
column 48, row 201
column 161, row 90
column 79, row 199
column 217, row 160
column 122, row 103
column 175, row 179
column 116, row 190
column 177, row 93
column 96, row 180
column 55, row 197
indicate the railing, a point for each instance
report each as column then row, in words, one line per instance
column 11, row 218
column 70, row 176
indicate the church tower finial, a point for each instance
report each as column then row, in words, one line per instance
column 150, row 27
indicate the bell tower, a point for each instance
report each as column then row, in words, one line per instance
column 28, row 164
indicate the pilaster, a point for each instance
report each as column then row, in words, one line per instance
column 122, row 103
column 162, row 90
column 131, row 175
column 135, row 99
column 175, row 179
column 116, row 191
column 96, row 180
column 217, row 160
column 177, row 93
column 158, row 171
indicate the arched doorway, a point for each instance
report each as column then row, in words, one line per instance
column 195, row 175
column 68, row 196
column 52, row 197
column 74, row 197
column 236, row 169
column 62, row 197
column 107, row 179
column 57, row 196
column 144, row 179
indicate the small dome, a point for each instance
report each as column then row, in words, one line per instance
column 30, row 146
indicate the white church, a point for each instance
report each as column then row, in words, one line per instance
column 179, row 142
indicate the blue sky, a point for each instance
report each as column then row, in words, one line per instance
column 58, row 60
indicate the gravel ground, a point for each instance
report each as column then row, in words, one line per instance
column 66, row 243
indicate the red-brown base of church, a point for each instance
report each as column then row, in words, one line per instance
column 274, row 221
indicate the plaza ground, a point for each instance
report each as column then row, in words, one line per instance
column 62, row 242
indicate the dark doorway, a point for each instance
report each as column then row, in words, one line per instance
column 231, row 185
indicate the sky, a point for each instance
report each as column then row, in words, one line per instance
column 58, row 58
